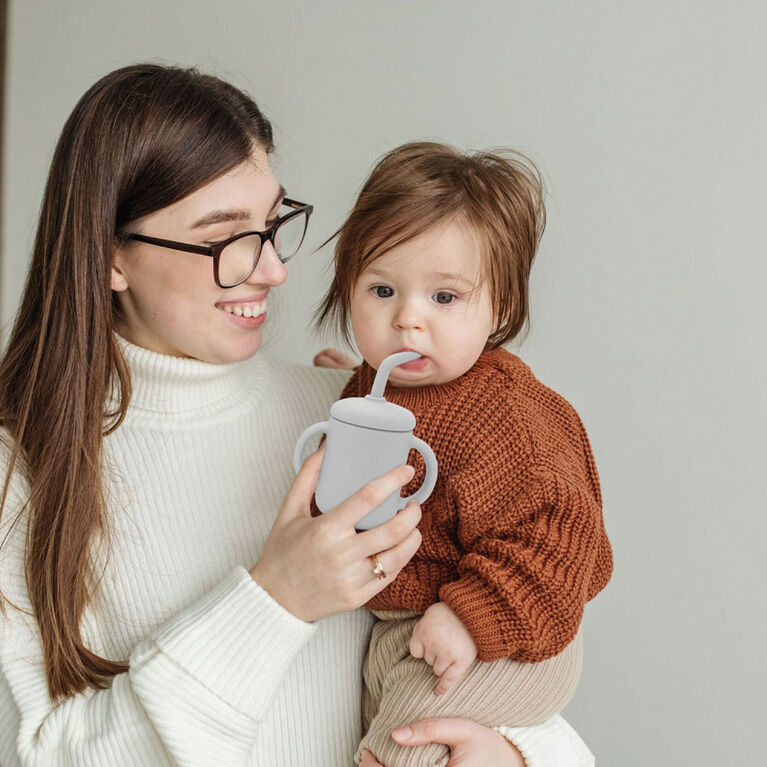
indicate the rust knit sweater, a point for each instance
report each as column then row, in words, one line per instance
column 513, row 536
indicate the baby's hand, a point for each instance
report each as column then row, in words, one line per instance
column 445, row 644
column 332, row 358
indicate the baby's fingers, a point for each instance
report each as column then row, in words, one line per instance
column 447, row 678
column 441, row 665
column 416, row 648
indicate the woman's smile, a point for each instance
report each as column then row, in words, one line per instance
column 249, row 312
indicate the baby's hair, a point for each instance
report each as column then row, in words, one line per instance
column 499, row 194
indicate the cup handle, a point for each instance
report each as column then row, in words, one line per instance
column 298, row 453
column 423, row 492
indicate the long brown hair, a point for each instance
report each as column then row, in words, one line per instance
column 142, row 138
column 416, row 186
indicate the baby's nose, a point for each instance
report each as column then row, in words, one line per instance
column 408, row 317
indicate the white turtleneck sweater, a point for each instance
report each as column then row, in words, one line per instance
column 220, row 674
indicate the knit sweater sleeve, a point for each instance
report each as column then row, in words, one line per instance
column 553, row 743
column 195, row 693
column 534, row 542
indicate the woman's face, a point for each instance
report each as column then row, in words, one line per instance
column 169, row 300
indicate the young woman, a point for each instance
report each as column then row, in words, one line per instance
column 154, row 610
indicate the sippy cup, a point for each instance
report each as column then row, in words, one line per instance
column 366, row 437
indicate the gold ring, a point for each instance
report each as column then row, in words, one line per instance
column 378, row 570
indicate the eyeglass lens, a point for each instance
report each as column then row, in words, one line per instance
column 238, row 260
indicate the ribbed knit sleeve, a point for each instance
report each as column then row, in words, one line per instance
column 525, row 578
column 196, row 692
column 554, row 743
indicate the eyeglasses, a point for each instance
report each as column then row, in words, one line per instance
column 235, row 259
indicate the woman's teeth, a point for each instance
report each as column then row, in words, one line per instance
column 245, row 310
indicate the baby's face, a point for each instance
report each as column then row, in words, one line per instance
column 426, row 294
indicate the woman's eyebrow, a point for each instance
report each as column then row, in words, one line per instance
column 232, row 214
column 217, row 216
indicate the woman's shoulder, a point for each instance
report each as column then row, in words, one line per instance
column 304, row 387
column 302, row 372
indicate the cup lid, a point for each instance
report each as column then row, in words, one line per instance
column 373, row 413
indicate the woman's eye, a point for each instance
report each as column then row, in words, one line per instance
column 382, row 291
column 222, row 238
column 444, row 298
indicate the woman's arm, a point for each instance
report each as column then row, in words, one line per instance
column 554, row 743
column 198, row 688
column 551, row 744
column 195, row 693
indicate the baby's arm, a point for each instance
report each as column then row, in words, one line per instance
column 528, row 566
column 444, row 643
column 532, row 533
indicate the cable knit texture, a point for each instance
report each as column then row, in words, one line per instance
column 219, row 674
column 513, row 536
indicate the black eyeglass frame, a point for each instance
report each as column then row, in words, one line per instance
column 214, row 251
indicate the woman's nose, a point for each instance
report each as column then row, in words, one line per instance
column 269, row 270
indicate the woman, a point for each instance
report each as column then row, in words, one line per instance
column 154, row 610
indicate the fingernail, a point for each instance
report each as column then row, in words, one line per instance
column 403, row 733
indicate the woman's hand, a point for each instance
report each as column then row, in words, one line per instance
column 319, row 566
column 332, row 358
column 471, row 744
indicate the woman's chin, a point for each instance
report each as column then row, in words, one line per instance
column 244, row 349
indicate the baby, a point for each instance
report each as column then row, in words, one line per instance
column 435, row 257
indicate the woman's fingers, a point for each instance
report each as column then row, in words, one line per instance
column 368, row 497
column 451, row 732
column 392, row 561
column 471, row 744
column 297, row 501
column 390, row 533
column 315, row 567
column 368, row 760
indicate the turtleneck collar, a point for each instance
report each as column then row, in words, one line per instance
column 418, row 397
column 165, row 384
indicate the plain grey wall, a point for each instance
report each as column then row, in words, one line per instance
column 648, row 120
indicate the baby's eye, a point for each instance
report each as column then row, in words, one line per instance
column 382, row 291
column 444, row 298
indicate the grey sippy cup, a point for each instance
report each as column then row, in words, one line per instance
column 366, row 437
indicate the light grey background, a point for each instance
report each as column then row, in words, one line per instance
column 649, row 122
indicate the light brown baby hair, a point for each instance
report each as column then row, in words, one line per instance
column 499, row 194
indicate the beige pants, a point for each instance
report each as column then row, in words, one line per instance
column 400, row 689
